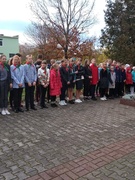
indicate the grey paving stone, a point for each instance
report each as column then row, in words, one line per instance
column 34, row 141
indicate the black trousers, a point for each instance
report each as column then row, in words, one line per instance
column 63, row 91
column 53, row 99
column 102, row 92
column 17, row 93
column 118, row 89
column 127, row 87
column 42, row 95
column 111, row 92
column 3, row 94
column 29, row 96
column 93, row 87
column 86, row 90
column 37, row 93
column 11, row 98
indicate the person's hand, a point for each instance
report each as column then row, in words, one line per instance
column 68, row 82
column 20, row 85
column 29, row 84
column 34, row 83
column 11, row 85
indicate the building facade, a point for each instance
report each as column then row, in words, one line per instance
column 9, row 46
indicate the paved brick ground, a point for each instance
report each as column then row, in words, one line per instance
column 92, row 140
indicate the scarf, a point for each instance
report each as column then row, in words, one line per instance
column 30, row 64
column 4, row 66
column 16, row 66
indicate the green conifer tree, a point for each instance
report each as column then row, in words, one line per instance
column 118, row 36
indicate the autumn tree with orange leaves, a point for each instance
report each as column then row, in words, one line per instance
column 61, row 19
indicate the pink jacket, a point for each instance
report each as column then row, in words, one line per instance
column 55, row 83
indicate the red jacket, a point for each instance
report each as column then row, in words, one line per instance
column 55, row 83
column 129, row 76
column 94, row 70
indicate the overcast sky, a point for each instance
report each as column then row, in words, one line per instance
column 15, row 16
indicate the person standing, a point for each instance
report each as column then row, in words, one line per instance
column 79, row 69
column 65, row 81
column 94, row 81
column 5, row 83
column 87, row 79
column 72, row 77
column 112, row 79
column 55, row 83
column 17, row 75
column 38, row 65
column 43, row 78
column 30, row 76
column 104, row 81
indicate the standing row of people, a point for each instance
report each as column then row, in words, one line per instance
column 108, row 80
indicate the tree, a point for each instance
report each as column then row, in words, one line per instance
column 61, row 17
column 118, row 36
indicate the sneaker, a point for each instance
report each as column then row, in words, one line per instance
column 78, row 101
column 6, row 111
column 3, row 112
column 62, row 103
column 102, row 99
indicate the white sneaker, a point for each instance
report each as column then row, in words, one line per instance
column 3, row 112
column 62, row 103
column 105, row 98
column 102, row 99
column 78, row 101
column 6, row 111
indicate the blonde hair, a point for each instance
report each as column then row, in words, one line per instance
column 16, row 57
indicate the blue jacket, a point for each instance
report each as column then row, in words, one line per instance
column 30, row 74
column 17, row 75
column 133, row 76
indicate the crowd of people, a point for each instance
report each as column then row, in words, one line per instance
column 68, row 80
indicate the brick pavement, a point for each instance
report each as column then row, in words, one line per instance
column 82, row 141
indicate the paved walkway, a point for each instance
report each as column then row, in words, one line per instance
column 88, row 141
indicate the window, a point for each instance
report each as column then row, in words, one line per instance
column 1, row 42
column 11, row 55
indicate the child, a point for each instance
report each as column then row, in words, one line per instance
column 112, row 79
column 38, row 65
column 17, row 75
column 79, row 69
column 103, row 82
column 11, row 95
column 5, row 83
column 123, row 77
column 94, row 81
column 133, row 78
column 55, row 83
column 87, row 79
column 129, row 81
column 65, row 81
column 30, row 76
column 43, row 78
column 72, row 76
column 118, row 89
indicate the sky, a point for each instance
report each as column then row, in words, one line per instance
column 15, row 16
